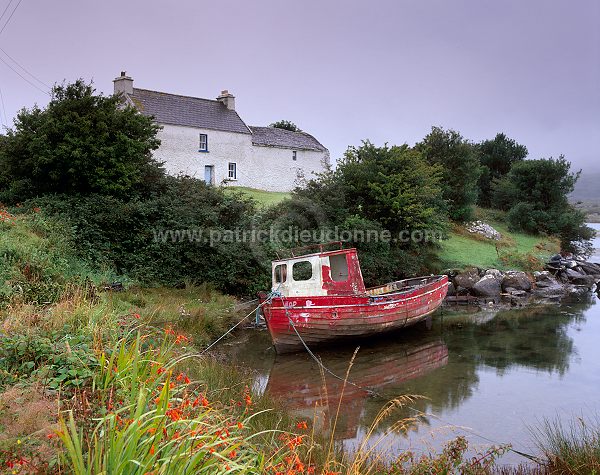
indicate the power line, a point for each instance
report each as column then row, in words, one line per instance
column 11, row 15
column 25, row 70
column 6, row 9
column 23, row 77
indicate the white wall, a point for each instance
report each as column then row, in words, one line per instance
column 275, row 170
column 179, row 151
column 265, row 168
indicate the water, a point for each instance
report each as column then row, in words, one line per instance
column 492, row 373
column 596, row 256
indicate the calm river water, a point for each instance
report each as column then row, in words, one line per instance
column 486, row 373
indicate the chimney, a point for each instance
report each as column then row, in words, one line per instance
column 227, row 99
column 123, row 84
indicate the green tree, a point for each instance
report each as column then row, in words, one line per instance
column 80, row 143
column 534, row 192
column 461, row 170
column 285, row 124
column 394, row 186
column 385, row 190
column 497, row 157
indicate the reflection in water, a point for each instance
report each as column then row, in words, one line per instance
column 525, row 363
column 298, row 381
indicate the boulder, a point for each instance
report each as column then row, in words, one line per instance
column 487, row 286
column 571, row 274
column 584, row 280
column 516, row 280
column 547, row 286
column 467, row 279
column 589, row 268
column 495, row 273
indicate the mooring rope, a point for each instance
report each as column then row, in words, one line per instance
column 269, row 299
column 276, row 294
column 381, row 396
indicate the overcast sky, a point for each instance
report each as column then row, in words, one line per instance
column 342, row 70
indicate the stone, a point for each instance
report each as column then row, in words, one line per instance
column 589, row 268
column 544, row 279
column 484, row 229
column 487, row 286
column 495, row 273
column 467, row 279
column 516, row 280
column 571, row 274
column 585, row 280
column 547, row 286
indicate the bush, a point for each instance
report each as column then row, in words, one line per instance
column 37, row 262
column 165, row 239
column 535, row 194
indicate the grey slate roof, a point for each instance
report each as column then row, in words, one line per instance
column 273, row 137
column 188, row 111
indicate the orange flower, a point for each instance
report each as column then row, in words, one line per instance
column 152, row 450
column 302, row 425
column 233, row 454
column 240, row 425
column 174, row 414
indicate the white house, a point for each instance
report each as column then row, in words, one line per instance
column 207, row 139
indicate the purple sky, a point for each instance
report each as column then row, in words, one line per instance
column 342, row 70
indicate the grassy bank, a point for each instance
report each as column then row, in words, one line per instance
column 513, row 251
column 99, row 381
column 264, row 198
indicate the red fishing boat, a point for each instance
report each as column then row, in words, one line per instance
column 321, row 297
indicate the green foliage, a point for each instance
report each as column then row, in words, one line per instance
column 80, row 143
column 373, row 191
column 285, row 124
column 57, row 363
column 184, row 233
column 452, row 460
column 37, row 261
column 496, row 157
column 460, row 169
column 393, row 186
column 535, row 194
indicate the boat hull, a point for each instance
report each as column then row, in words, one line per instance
column 316, row 320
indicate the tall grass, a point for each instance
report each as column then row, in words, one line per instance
column 571, row 447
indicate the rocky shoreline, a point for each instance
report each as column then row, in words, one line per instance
column 562, row 278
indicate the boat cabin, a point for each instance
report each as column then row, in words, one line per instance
column 322, row 273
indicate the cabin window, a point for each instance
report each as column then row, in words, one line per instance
column 302, row 270
column 280, row 273
column 203, row 143
column 338, row 266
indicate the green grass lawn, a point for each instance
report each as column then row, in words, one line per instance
column 265, row 198
column 514, row 251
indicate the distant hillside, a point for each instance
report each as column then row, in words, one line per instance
column 587, row 187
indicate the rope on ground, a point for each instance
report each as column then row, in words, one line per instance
column 421, row 413
column 269, row 299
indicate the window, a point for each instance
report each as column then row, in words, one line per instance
column 294, row 155
column 302, row 271
column 232, row 175
column 280, row 273
column 203, row 144
column 338, row 267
